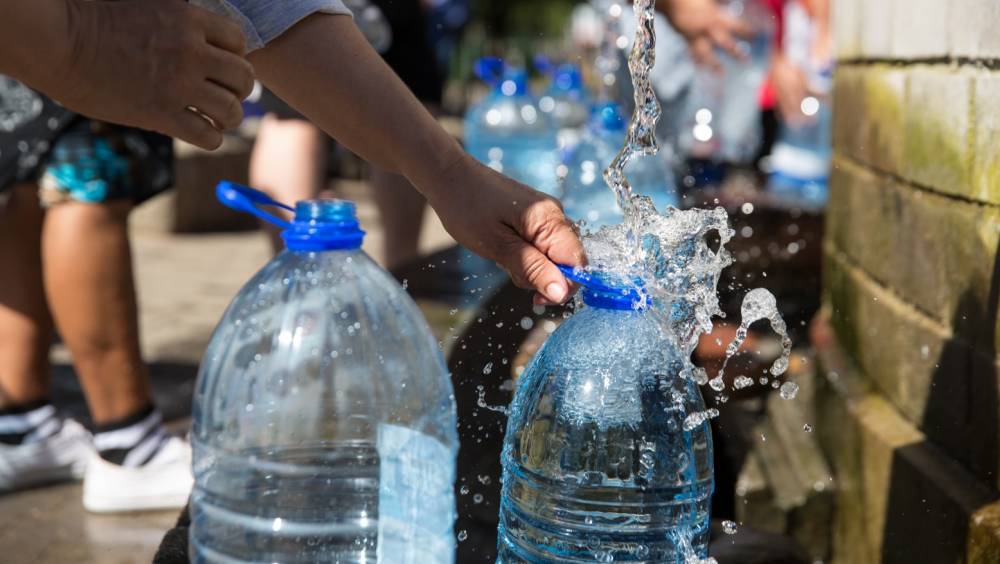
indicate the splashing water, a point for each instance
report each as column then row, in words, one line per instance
column 667, row 254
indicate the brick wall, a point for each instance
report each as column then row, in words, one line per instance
column 909, row 410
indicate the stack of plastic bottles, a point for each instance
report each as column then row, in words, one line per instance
column 600, row 463
column 508, row 132
column 324, row 425
column 585, row 195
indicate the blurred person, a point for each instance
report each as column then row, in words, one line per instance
column 289, row 156
column 163, row 66
column 67, row 185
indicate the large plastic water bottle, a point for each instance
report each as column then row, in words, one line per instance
column 324, row 419
column 722, row 119
column 599, row 463
column 566, row 100
column 585, row 195
column 508, row 132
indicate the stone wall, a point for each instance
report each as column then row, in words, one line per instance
column 908, row 407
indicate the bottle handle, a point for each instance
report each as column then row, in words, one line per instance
column 246, row 199
column 489, row 70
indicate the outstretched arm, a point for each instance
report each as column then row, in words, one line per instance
column 132, row 62
column 324, row 68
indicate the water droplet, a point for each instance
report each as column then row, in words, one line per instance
column 807, row 428
column 789, row 390
column 477, row 499
column 488, row 369
column 742, row 382
column 464, row 490
column 484, row 480
column 527, row 323
column 462, row 535
column 729, row 527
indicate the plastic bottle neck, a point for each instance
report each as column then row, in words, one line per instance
column 324, row 225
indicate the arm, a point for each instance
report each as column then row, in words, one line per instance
column 131, row 62
column 324, row 67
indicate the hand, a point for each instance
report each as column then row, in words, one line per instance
column 166, row 66
column 706, row 26
column 521, row 229
column 790, row 88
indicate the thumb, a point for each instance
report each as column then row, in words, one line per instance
column 529, row 268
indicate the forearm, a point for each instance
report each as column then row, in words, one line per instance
column 34, row 38
column 325, row 69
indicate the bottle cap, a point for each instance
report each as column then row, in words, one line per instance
column 608, row 116
column 318, row 225
column 601, row 290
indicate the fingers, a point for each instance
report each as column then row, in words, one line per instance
column 544, row 237
column 222, row 32
column 230, row 71
column 529, row 268
column 704, row 54
column 195, row 129
column 723, row 39
column 220, row 105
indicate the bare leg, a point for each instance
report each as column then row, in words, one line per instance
column 25, row 326
column 402, row 210
column 88, row 280
column 287, row 162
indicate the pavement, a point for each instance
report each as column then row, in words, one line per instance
column 184, row 283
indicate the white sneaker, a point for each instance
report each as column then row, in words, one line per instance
column 59, row 458
column 162, row 483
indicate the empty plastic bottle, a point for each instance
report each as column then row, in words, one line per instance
column 600, row 460
column 722, row 119
column 508, row 132
column 324, row 419
column 585, row 195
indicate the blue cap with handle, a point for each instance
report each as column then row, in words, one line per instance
column 318, row 225
column 602, row 291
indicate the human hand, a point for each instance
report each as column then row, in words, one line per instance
column 790, row 87
column 164, row 66
column 705, row 26
column 521, row 229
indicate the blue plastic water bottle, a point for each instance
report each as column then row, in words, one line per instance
column 599, row 465
column 324, row 419
column 566, row 100
column 585, row 195
column 508, row 132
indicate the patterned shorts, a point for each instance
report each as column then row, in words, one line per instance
column 75, row 158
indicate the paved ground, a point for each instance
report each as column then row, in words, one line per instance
column 185, row 283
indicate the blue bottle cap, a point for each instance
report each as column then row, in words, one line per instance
column 601, row 290
column 506, row 80
column 318, row 225
column 608, row 116
column 567, row 78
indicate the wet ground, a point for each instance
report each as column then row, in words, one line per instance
column 184, row 283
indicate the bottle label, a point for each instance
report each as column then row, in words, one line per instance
column 416, row 504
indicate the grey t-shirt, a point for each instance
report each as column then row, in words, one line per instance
column 264, row 20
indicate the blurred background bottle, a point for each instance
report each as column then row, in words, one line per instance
column 584, row 193
column 508, row 132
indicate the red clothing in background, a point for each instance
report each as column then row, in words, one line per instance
column 767, row 97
